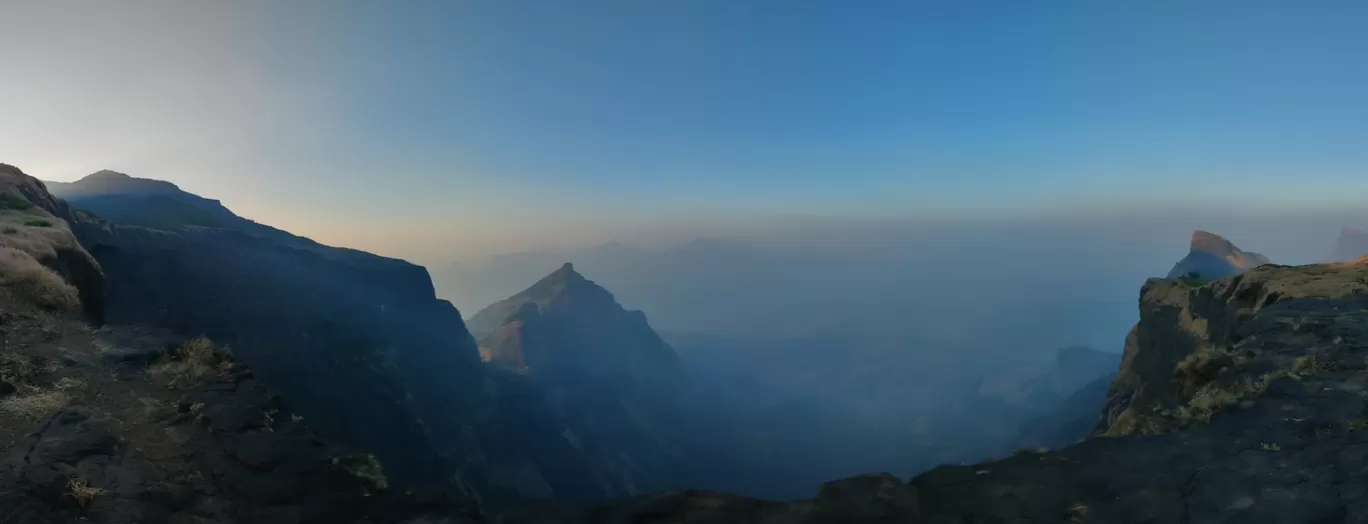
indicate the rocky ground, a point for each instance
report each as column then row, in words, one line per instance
column 119, row 427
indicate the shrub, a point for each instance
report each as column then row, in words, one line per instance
column 38, row 222
column 83, row 492
column 197, row 358
column 17, row 369
column 27, row 278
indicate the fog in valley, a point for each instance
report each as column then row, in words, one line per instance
column 896, row 345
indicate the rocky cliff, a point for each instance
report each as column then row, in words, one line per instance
column 358, row 343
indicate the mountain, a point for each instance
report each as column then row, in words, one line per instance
column 612, row 378
column 1073, row 368
column 132, row 424
column 357, row 343
column 1237, row 400
column 1212, row 257
column 1351, row 245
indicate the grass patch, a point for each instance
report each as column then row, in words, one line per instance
column 197, row 358
column 1202, row 366
column 35, row 406
column 15, row 202
column 1212, row 398
column 28, row 278
column 38, row 222
column 1270, row 446
column 366, row 467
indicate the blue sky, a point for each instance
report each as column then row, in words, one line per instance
column 493, row 119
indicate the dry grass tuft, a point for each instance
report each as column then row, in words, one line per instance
column 36, row 405
column 69, row 384
column 27, row 278
column 17, row 369
column 83, row 492
column 198, row 358
column 1201, row 367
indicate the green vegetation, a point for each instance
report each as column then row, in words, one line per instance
column 15, row 202
column 366, row 467
column 1193, row 279
column 1270, row 446
column 38, row 222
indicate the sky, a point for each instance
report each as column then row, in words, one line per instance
column 437, row 129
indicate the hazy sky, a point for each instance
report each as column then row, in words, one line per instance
column 428, row 129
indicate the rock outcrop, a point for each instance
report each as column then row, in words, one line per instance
column 1351, row 245
column 1211, row 257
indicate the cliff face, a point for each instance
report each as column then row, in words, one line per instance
column 357, row 343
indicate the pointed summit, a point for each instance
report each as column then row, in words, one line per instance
column 1208, row 242
column 1351, row 245
column 1211, row 256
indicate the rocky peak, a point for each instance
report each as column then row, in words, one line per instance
column 1208, row 242
column 1211, row 256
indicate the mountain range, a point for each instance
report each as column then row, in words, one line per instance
column 240, row 373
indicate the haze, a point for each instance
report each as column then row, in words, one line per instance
column 838, row 212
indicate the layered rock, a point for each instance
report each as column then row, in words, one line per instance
column 1211, row 257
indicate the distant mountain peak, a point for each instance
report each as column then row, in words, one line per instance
column 1208, row 242
column 107, row 173
column 1211, row 256
column 1351, row 245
